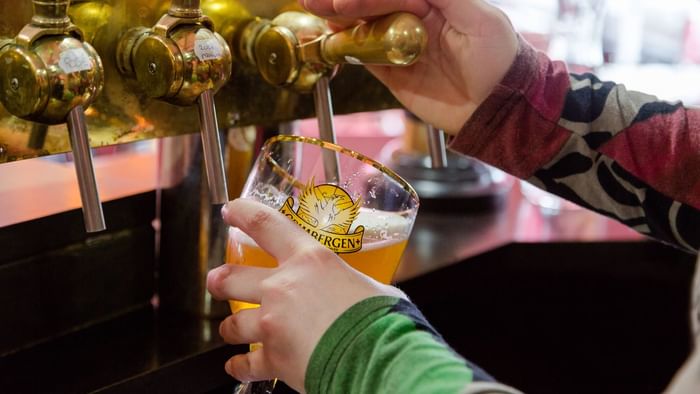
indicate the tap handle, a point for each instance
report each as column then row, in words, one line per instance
column 436, row 147
column 213, row 157
column 48, row 75
column 394, row 40
column 92, row 207
column 183, row 61
column 296, row 49
column 326, row 129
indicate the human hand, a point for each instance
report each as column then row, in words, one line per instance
column 299, row 300
column 471, row 46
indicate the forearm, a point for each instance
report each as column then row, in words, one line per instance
column 623, row 154
column 384, row 345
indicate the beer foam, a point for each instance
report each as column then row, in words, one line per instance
column 382, row 225
column 382, row 228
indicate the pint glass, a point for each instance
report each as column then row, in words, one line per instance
column 348, row 202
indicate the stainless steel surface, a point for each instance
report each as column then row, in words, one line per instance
column 89, row 195
column 211, row 143
column 324, row 113
column 437, row 148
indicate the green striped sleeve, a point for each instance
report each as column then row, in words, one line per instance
column 376, row 346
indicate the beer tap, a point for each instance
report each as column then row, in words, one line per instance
column 49, row 75
column 437, row 149
column 299, row 51
column 183, row 61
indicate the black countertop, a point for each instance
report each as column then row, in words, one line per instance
column 149, row 352
column 142, row 351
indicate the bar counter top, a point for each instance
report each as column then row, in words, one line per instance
column 149, row 352
column 442, row 239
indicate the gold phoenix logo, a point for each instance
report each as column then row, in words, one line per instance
column 327, row 212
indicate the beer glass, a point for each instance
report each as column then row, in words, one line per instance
column 348, row 202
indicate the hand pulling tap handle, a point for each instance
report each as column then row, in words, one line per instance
column 46, row 59
column 397, row 40
column 299, row 51
column 436, row 148
column 213, row 157
column 394, row 40
column 92, row 207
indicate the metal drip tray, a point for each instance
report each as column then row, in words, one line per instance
column 465, row 183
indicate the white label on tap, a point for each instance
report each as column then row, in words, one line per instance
column 208, row 49
column 74, row 60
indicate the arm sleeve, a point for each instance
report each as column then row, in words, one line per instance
column 385, row 345
column 624, row 154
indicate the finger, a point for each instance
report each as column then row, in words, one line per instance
column 339, row 23
column 358, row 9
column 275, row 233
column 249, row 367
column 237, row 282
column 242, row 327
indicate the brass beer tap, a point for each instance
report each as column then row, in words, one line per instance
column 50, row 75
column 183, row 61
column 299, row 51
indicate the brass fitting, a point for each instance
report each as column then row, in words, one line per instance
column 297, row 49
column 43, row 80
column 52, row 14
column 179, row 58
column 182, row 60
column 49, row 75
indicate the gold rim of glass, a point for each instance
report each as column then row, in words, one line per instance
column 337, row 148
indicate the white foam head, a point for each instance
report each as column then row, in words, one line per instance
column 381, row 228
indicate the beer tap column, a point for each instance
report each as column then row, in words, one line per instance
column 299, row 51
column 182, row 60
column 49, row 75
column 437, row 148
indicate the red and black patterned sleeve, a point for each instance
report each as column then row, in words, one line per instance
column 623, row 154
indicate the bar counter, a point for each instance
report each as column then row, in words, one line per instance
column 146, row 351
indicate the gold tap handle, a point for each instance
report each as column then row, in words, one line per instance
column 394, row 40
